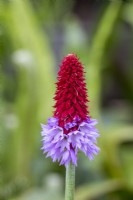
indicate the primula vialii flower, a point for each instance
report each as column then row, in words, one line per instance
column 71, row 129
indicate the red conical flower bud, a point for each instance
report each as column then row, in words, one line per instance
column 71, row 95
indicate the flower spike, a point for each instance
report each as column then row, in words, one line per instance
column 71, row 128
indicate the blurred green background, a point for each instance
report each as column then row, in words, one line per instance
column 35, row 35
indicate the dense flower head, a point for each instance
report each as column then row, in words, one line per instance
column 71, row 94
column 70, row 129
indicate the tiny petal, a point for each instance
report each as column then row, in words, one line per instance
column 45, row 129
column 64, row 145
column 73, row 157
column 52, row 121
column 85, row 127
column 64, row 157
column 70, row 125
column 93, row 122
column 76, row 119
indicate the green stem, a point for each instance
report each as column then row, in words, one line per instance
column 70, row 182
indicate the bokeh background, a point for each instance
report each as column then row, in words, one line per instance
column 35, row 36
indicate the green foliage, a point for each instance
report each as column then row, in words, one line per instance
column 97, row 52
column 95, row 190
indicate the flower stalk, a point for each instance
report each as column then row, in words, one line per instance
column 70, row 182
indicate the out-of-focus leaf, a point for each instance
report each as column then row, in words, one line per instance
column 128, row 12
column 25, row 34
column 111, row 140
column 35, row 81
column 95, row 190
column 127, row 164
column 39, row 194
column 51, row 189
column 13, row 188
column 97, row 51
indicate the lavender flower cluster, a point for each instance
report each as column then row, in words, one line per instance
column 64, row 147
